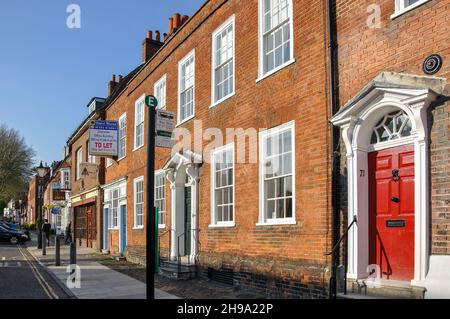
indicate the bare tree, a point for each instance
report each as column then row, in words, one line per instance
column 16, row 163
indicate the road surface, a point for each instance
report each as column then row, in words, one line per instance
column 22, row 277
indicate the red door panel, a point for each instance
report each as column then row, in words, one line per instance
column 391, row 212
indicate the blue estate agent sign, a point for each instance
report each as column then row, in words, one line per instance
column 103, row 138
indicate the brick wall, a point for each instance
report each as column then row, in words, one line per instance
column 297, row 92
column 401, row 45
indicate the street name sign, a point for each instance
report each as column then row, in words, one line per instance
column 103, row 138
column 165, row 124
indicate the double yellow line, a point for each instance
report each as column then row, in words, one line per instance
column 45, row 286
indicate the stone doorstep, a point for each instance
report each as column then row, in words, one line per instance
column 391, row 289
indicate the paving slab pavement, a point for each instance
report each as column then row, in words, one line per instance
column 97, row 281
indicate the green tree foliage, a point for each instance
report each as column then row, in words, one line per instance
column 16, row 163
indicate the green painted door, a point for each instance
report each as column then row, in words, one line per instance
column 187, row 220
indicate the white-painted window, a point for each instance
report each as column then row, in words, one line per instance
column 160, row 198
column 114, row 211
column 79, row 160
column 223, row 61
column 402, row 6
column 222, row 190
column 65, row 178
column 138, row 202
column 276, row 40
column 160, row 92
column 90, row 158
column 186, row 86
column 139, row 115
column 109, row 162
column 122, row 152
column 277, row 177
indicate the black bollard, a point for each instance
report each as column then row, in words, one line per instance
column 73, row 253
column 57, row 252
column 44, row 245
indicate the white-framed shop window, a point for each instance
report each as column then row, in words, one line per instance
column 223, row 65
column 160, row 92
column 276, row 41
column 139, row 116
column 138, row 191
column 277, row 175
column 160, row 198
column 186, row 88
column 222, row 187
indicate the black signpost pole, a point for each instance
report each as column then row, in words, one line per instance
column 150, row 224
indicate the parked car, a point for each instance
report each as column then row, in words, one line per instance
column 9, row 226
column 12, row 236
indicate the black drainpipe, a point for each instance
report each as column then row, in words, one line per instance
column 334, row 171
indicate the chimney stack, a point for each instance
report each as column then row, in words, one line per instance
column 176, row 22
column 170, row 25
column 157, row 36
column 184, row 19
column 112, row 85
column 120, row 78
column 150, row 46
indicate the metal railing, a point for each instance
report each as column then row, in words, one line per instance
column 159, row 245
column 337, row 245
column 186, row 233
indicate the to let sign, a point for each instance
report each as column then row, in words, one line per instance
column 103, row 138
column 165, row 124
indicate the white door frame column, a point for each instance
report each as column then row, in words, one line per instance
column 179, row 168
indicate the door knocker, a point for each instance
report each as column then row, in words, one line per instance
column 395, row 176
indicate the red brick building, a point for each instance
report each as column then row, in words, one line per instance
column 228, row 216
column 86, row 174
column 250, row 193
column 394, row 120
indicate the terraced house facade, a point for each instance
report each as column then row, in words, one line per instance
column 295, row 121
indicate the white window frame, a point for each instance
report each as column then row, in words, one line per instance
column 124, row 137
column 79, row 161
column 263, row 220
column 141, row 100
column 161, row 102
column 63, row 184
column 401, row 8
column 135, row 182
column 109, row 162
column 90, row 158
column 161, row 172
column 261, row 74
column 223, row 27
column 214, row 222
column 180, row 64
column 111, row 217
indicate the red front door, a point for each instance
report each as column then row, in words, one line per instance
column 391, row 212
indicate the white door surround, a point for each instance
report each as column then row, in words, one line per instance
column 357, row 121
column 182, row 170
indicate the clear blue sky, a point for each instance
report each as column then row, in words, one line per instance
column 48, row 72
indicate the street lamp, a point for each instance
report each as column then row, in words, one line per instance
column 41, row 172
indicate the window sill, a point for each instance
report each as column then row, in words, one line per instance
column 122, row 158
column 277, row 223
column 117, row 228
column 222, row 100
column 138, row 148
column 268, row 74
column 408, row 8
column 223, row 225
column 138, row 228
column 162, row 226
column 186, row 120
